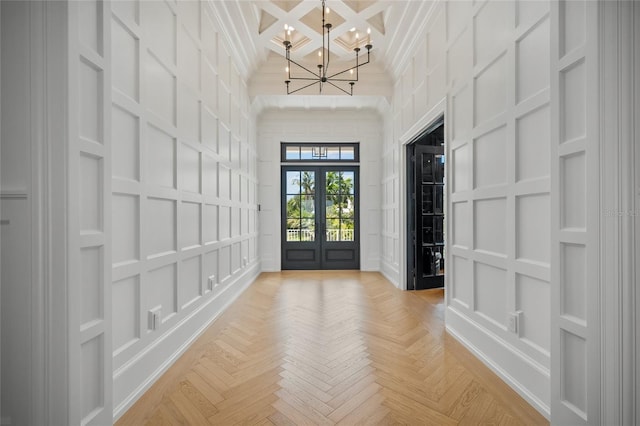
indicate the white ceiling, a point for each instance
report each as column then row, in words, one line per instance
column 257, row 26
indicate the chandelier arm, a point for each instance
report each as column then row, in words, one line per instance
column 349, row 69
column 301, row 66
column 340, row 88
column 303, row 87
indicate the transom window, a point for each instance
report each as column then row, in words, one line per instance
column 322, row 152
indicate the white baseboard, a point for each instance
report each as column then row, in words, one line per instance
column 527, row 377
column 135, row 377
column 390, row 272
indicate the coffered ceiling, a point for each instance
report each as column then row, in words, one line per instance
column 258, row 27
column 349, row 18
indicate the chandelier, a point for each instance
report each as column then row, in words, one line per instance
column 340, row 79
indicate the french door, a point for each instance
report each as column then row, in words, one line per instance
column 320, row 225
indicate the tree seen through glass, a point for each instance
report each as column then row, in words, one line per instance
column 339, row 202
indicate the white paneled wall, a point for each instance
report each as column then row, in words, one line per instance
column 184, row 184
column 276, row 126
column 489, row 60
column 89, row 222
column 575, row 215
column 164, row 206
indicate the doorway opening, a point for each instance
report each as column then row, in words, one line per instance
column 426, row 209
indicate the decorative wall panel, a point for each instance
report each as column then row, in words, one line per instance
column 496, row 84
column 179, row 110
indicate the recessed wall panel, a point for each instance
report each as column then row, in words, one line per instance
column 190, row 169
column 209, row 130
column 160, row 226
column 224, row 141
column 533, row 61
column 573, row 191
column 125, row 144
column 236, row 257
column 125, row 296
column 210, row 266
column 462, row 122
column 190, row 278
column 190, row 13
column 491, row 91
column 224, row 105
column 160, row 88
column 224, row 262
column 573, row 25
column 436, row 41
column 189, row 116
column 532, row 298
column 533, row 144
column 190, row 225
column 129, row 11
column 490, row 226
column 573, row 104
column 461, row 272
column 461, row 221
column 461, row 168
column 162, row 290
column 90, row 102
column 573, row 264
column 460, row 59
column 210, row 222
column 209, row 176
column 159, row 26
column 490, row 288
column 490, row 159
column 91, row 181
column 574, row 371
column 92, row 284
column 189, row 61
column 124, row 54
column 492, row 29
column 458, row 13
column 90, row 24
column 533, row 236
column 235, row 221
column 125, row 219
column 224, row 183
column 224, row 227
column 209, row 85
column 161, row 158
column 91, row 373
column 210, row 34
column 529, row 11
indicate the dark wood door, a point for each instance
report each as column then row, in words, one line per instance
column 429, row 216
column 425, row 209
column 320, row 226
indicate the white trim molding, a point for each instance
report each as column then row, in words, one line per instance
column 619, row 117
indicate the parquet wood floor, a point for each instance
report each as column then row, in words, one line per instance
column 325, row 348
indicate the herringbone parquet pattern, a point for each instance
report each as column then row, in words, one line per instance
column 329, row 348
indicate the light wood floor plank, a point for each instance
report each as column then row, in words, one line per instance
column 330, row 347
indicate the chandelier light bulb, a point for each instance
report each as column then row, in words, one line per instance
column 286, row 27
column 328, row 10
column 351, row 71
column 286, row 69
column 368, row 35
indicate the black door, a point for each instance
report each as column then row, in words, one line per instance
column 320, row 227
column 426, row 211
